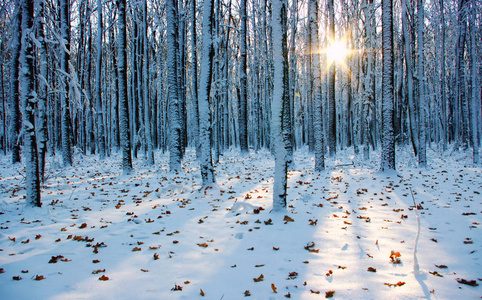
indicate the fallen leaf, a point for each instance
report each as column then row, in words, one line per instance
column 258, row 266
column 273, row 287
column 156, row 256
column 176, row 288
column 400, row 283
column 17, row 278
column 144, row 270
column 247, row 293
column 435, row 273
column 38, row 236
column 315, row 292
column 467, row 282
column 136, row 249
column 260, row 278
column 275, row 248
column 103, row 278
column 441, row 266
column 39, row 277
column 371, row 269
column 288, row 219
column 98, row 271
column 288, row 295
column 84, row 225
column 329, row 294
column 202, row 293
column 204, row 245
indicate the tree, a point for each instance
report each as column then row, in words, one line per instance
column 205, row 133
column 280, row 91
column 173, row 94
column 64, row 95
column 145, row 94
column 194, row 88
column 331, row 84
column 422, row 156
column 316, row 87
column 243, row 101
column 98, row 83
column 123, row 97
column 388, row 140
column 42, row 91
column 29, row 99
column 475, row 111
column 15, row 117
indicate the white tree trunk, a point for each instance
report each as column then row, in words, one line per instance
column 29, row 98
column 207, row 172
column 98, row 83
column 277, row 137
column 422, row 155
column 145, row 84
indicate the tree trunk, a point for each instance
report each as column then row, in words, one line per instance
column 194, row 87
column 173, row 95
column 123, row 97
column 145, row 79
column 42, row 136
column 29, row 99
column 316, row 85
column 280, row 91
column 388, row 140
column 422, row 156
column 66, row 128
column 475, row 111
column 205, row 128
column 331, row 84
column 98, row 84
column 243, row 101
column 15, row 117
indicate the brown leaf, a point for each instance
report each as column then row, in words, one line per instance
column 400, row 283
column 39, row 277
column 17, row 278
column 144, row 270
column 247, row 293
column 96, row 261
column 2, row 271
column 156, row 256
column 84, row 225
column 275, row 248
column 315, row 292
column 371, row 269
column 103, row 278
column 260, row 278
column 176, row 288
column 204, row 245
column 273, row 287
column 288, row 219
column 202, row 293
column 288, row 295
column 258, row 266
column 467, row 282
column 441, row 266
column 136, row 249
column 329, row 294
column 38, row 236
column 98, row 271
column 435, row 273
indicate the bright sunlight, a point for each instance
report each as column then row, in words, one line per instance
column 336, row 52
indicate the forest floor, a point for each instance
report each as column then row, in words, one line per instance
column 349, row 232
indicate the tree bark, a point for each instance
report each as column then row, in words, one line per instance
column 15, row 117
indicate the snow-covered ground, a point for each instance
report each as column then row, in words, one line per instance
column 155, row 235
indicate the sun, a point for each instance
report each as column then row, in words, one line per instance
column 336, row 52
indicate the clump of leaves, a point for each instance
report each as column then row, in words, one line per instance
column 467, row 282
column 329, row 294
column 176, row 288
column 103, row 278
column 394, row 256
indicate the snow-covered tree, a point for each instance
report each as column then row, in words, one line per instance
column 331, row 84
column 243, row 99
column 173, row 93
column 281, row 89
column 205, row 80
column 15, row 117
column 316, row 79
column 64, row 95
column 28, row 98
column 422, row 155
column 123, row 96
column 98, row 83
column 145, row 94
column 388, row 140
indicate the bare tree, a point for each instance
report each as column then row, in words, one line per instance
column 123, row 97
column 388, row 140
column 29, row 99
column 207, row 172
column 15, row 117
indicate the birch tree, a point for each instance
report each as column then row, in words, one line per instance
column 194, row 88
column 15, row 117
column 123, row 97
column 388, row 140
column 205, row 133
column 29, row 99
column 475, row 111
column 281, row 90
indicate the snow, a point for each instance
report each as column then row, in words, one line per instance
column 211, row 239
